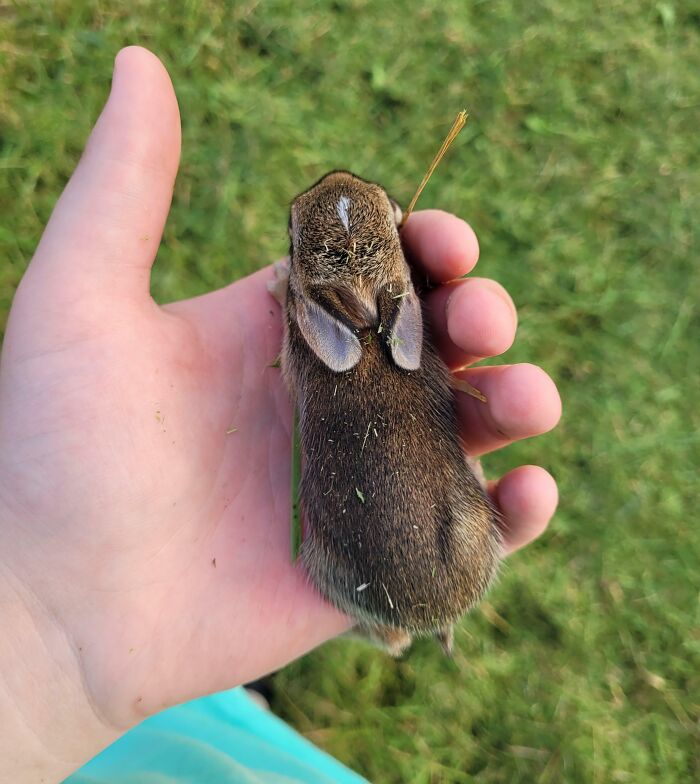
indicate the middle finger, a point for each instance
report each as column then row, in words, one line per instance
column 471, row 319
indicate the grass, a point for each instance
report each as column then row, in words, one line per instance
column 579, row 170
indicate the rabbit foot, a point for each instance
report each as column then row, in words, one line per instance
column 278, row 285
column 392, row 639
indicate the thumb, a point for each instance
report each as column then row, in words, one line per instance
column 105, row 229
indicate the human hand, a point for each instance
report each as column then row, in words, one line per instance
column 144, row 551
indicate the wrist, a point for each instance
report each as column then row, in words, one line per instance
column 50, row 727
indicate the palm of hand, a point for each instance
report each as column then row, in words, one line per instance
column 183, row 525
column 159, row 543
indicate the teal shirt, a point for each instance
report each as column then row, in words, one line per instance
column 220, row 739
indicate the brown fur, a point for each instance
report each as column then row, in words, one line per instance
column 399, row 532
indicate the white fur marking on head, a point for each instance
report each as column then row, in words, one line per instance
column 342, row 209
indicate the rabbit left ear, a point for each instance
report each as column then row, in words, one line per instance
column 331, row 340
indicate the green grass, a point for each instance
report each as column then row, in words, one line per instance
column 579, row 171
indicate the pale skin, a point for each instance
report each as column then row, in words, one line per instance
column 144, row 552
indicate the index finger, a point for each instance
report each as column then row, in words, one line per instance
column 442, row 245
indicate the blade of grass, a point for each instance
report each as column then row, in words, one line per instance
column 296, row 477
column 457, row 125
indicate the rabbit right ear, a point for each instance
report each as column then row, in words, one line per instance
column 406, row 332
column 402, row 318
column 333, row 342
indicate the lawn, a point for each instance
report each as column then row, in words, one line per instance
column 579, row 171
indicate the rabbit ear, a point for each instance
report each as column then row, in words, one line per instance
column 402, row 314
column 397, row 211
column 333, row 342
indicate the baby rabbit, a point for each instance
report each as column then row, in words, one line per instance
column 398, row 530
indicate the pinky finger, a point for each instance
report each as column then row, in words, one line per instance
column 527, row 498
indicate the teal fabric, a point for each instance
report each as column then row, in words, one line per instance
column 220, row 739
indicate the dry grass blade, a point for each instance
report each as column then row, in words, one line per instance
column 457, row 125
column 464, row 386
column 296, row 478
